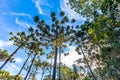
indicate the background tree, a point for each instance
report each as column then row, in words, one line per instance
column 50, row 56
column 19, row 40
column 4, row 55
column 5, row 75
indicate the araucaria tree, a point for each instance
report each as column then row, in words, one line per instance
column 20, row 40
column 55, row 35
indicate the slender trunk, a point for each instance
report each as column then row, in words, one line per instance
column 59, row 63
column 75, row 71
column 8, row 59
column 30, row 75
column 88, row 64
column 55, row 58
column 23, row 66
column 50, row 69
column 34, row 74
column 30, row 66
column 33, row 77
column 55, row 64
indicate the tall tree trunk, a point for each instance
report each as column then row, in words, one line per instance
column 34, row 74
column 30, row 66
column 50, row 69
column 33, row 77
column 75, row 72
column 59, row 63
column 55, row 58
column 55, row 64
column 30, row 75
column 88, row 63
column 10, row 56
column 23, row 66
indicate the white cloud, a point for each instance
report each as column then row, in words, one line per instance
column 18, row 60
column 21, row 23
column 9, row 43
column 17, row 14
column 71, row 58
column 5, row 43
column 37, row 5
column 70, row 12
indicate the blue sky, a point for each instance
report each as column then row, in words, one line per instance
column 17, row 15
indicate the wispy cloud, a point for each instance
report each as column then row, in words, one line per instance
column 37, row 5
column 18, row 60
column 5, row 43
column 17, row 14
column 12, row 68
column 21, row 23
column 70, row 12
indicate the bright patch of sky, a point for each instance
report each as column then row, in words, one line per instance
column 70, row 59
column 17, row 15
column 70, row 12
column 5, row 43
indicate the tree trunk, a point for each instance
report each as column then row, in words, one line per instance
column 75, row 72
column 34, row 74
column 23, row 66
column 55, row 58
column 30, row 66
column 55, row 64
column 30, row 75
column 50, row 69
column 34, row 77
column 88, row 64
column 8, row 59
column 59, row 63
